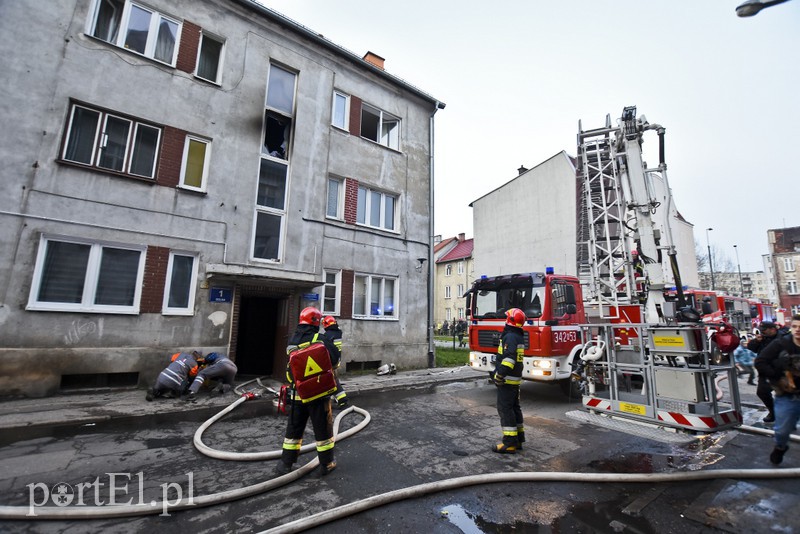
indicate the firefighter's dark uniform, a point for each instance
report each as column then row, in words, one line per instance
column 318, row 410
column 334, row 334
column 508, row 376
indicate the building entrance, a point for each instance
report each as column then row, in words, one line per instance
column 255, row 341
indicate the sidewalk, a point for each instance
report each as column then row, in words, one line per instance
column 103, row 405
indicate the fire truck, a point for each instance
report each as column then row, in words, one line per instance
column 613, row 332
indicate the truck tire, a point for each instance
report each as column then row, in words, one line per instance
column 717, row 357
column 570, row 388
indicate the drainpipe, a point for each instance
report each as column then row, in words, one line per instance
column 431, row 355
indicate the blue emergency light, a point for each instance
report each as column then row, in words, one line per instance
column 549, row 270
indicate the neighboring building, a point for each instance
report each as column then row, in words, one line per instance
column 784, row 260
column 189, row 174
column 454, row 275
column 530, row 223
column 753, row 285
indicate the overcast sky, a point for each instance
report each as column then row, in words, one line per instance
column 517, row 75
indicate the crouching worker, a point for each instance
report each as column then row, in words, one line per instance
column 217, row 367
column 507, row 376
column 312, row 358
column 175, row 378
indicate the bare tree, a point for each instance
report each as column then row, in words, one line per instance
column 719, row 260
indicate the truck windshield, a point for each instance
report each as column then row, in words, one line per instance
column 493, row 303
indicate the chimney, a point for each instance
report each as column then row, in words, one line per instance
column 521, row 170
column 460, row 237
column 374, row 59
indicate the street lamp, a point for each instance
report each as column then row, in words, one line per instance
column 710, row 261
column 739, row 267
column 752, row 7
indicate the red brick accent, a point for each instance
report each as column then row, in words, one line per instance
column 355, row 115
column 169, row 164
column 350, row 200
column 346, row 304
column 155, row 277
column 187, row 51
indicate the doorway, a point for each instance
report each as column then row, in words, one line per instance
column 255, row 340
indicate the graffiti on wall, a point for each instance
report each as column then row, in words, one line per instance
column 80, row 329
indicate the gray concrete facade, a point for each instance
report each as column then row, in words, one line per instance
column 239, row 304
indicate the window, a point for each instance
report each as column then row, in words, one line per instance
column 379, row 126
column 209, row 58
column 448, row 270
column 194, row 168
column 461, row 313
column 788, row 264
column 559, row 304
column 136, row 28
column 460, row 290
column 180, row 285
column 331, row 292
column 273, row 174
column 375, row 296
column 376, row 209
column 461, row 267
column 341, row 110
column 447, row 292
column 791, row 287
column 99, row 139
column 78, row 275
column 448, row 314
column 335, row 205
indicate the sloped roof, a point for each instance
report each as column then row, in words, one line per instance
column 461, row 251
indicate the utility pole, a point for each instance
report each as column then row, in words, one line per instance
column 739, row 267
column 710, row 261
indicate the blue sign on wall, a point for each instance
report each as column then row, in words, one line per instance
column 310, row 296
column 220, row 294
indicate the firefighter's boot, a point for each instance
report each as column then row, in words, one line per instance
column 325, row 469
column 502, row 448
column 282, row 468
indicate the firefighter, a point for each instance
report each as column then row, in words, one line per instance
column 318, row 409
column 507, row 376
column 175, row 378
column 217, row 367
column 768, row 332
column 334, row 333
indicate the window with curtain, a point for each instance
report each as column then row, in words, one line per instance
column 375, row 296
column 179, row 291
column 77, row 275
column 194, row 167
column 376, row 209
column 209, row 59
column 136, row 28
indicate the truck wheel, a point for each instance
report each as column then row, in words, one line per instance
column 570, row 388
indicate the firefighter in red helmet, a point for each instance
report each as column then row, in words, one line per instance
column 507, row 376
column 307, row 405
column 334, row 333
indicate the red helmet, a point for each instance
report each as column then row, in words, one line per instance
column 515, row 317
column 310, row 316
column 328, row 321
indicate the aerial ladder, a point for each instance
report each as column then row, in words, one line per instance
column 645, row 357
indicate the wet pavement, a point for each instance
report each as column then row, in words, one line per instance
column 427, row 426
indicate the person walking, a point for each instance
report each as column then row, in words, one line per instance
column 334, row 334
column 312, row 402
column 507, row 376
column 780, row 364
column 768, row 332
column 175, row 377
column 744, row 362
column 217, row 367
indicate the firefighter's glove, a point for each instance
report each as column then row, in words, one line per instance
column 498, row 379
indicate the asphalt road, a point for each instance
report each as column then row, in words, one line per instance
column 415, row 436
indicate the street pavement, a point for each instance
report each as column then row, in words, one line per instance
column 730, row 505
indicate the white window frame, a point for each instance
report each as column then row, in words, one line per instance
column 346, row 118
column 185, row 161
column 461, row 313
column 395, row 316
column 189, row 309
column 791, row 287
column 368, row 193
column 460, row 289
column 220, row 61
column 788, row 264
column 448, row 314
column 384, row 118
column 152, row 32
column 339, row 200
column 461, row 267
column 100, row 140
column 91, row 278
column 448, row 269
column 337, row 285
column 447, row 292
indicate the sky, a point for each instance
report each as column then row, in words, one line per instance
column 517, row 75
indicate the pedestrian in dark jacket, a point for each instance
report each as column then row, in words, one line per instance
column 768, row 331
column 779, row 363
column 318, row 410
column 507, row 376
